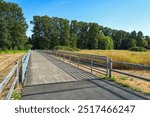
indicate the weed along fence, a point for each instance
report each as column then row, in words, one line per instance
column 12, row 78
column 103, row 65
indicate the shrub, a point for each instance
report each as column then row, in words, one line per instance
column 66, row 48
column 139, row 49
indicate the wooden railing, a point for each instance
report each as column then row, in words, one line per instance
column 93, row 63
column 101, row 64
column 25, row 61
column 14, row 72
column 14, row 76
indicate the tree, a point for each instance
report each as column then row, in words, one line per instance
column 148, row 42
column 133, row 35
column 13, row 25
column 129, row 41
column 105, row 42
column 82, row 35
column 49, row 32
column 142, row 42
column 139, row 35
column 36, row 37
column 73, row 33
column 3, row 34
column 93, row 35
column 64, row 32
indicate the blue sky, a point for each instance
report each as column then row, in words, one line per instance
column 125, row 15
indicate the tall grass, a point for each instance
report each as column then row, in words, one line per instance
column 123, row 55
column 12, row 51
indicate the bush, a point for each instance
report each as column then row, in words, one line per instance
column 147, row 47
column 65, row 48
column 139, row 49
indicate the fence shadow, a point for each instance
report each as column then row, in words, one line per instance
column 83, row 90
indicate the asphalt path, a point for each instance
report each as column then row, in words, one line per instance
column 52, row 79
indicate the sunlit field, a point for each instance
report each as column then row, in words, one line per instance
column 130, row 57
column 122, row 55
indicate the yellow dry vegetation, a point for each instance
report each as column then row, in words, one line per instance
column 122, row 55
column 6, row 63
column 130, row 57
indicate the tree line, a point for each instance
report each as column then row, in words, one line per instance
column 12, row 27
column 49, row 32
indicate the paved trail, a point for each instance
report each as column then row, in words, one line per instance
column 51, row 79
column 41, row 71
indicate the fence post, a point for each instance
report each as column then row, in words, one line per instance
column 91, row 63
column 110, row 67
column 107, row 66
column 17, row 73
column 59, row 55
column 78, row 60
column 23, row 71
column 69, row 59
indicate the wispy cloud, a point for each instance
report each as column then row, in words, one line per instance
column 63, row 3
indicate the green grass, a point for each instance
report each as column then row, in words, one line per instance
column 125, row 85
column 16, row 96
column 12, row 51
column 113, row 79
column 124, row 78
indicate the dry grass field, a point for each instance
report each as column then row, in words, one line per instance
column 122, row 55
column 130, row 57
column 6, row 63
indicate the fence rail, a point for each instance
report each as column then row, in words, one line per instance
column 25, row 61
column 94, row 63
column 132, row 67
column 14, row 72
column 14, row 75
column 100, row 64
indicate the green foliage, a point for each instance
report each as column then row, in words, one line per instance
column 148, row 42
column 49, row 32
column 113, row 79
column 125, row 85
column 12, row 26
column 93, row 36
column 124, row 78
column 64, row 32
column 12, row 51
column 139, row 49
column 141, row 42
column 73, row 33
column 66, row 48
column 105, row 42
column 16, row 96
column 82, row 35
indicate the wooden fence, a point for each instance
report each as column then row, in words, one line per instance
column 14, row 75
column 100, row 64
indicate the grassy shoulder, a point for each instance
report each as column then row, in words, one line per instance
column 16, row 95
column 134, row 84
column 12, row 51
